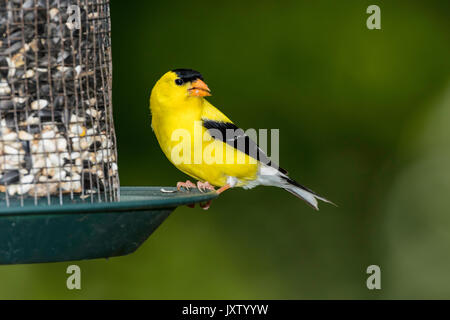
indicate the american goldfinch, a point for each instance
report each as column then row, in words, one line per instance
column 181, row 114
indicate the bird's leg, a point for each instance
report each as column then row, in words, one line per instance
column 204, row 186
column 187, row 185
column 222, row 189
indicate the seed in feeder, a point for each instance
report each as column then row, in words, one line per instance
column 48, row 133
column 70, row 25
column 91, row 102
column 64, row 69
column 75, row 119
column 49, row 172
column 10, row 177
column 39, row 104
column 34, row 45
column 61, row 144
column 95, row 146
column 78, row 70
column 101, row 155
column 77, row 168
column 86, row 157
column 167, row 191
column 53, row 12
column 74, row 177
column 10, row 150
column 15, row 144
column 4, row 88
column 28, row 74
column 42, row 84
column 27, row 179
column 10, row 165
column 23, row 172
column 13, row 48
column 28, row 4
column 77, row 130
column 11, row 160
column 90, row 132
column 22, row 189
column 75, row 155
column 100, row 174
column 74, row 186
column 18, row 60
column 38, row 161
column 105, row 143
column 57, row 174
column 12, row 190
column 11, row 68
column 6, row 104
column 20, row 100
column 23, row 135
column 67, row 156
column 20, row 73
column 53, row 160
column 11, row 136
column 49, row 145
column 41, row 190
column 35, row 147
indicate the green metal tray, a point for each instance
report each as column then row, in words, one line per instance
column 76, row 231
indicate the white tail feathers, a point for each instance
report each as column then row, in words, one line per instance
column 271, row 176
column 309, row 197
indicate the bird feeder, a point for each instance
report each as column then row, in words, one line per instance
column 60, row 197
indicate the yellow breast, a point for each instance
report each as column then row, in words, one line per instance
column 188, row 145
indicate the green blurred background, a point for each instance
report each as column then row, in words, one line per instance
column 363, row 118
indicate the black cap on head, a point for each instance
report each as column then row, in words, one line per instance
column 188, row 75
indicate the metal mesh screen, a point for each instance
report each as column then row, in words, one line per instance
column 57, row 140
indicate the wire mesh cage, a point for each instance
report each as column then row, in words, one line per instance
column 57, row 139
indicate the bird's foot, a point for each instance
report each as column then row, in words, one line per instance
column 202, row 187
column 187, row 185
column 205, row 186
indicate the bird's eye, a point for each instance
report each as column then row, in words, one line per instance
column 178, row 82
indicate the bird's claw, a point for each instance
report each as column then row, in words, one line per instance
column 205, row 205
column 187, row 185
column 202, row 187
column 205, row 186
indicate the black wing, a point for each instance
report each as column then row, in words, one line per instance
column 229, row 133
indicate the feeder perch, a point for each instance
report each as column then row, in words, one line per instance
column 60, row 196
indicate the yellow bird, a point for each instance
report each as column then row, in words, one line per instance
column 203, row 143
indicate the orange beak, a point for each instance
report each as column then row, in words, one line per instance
column 199, row 89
